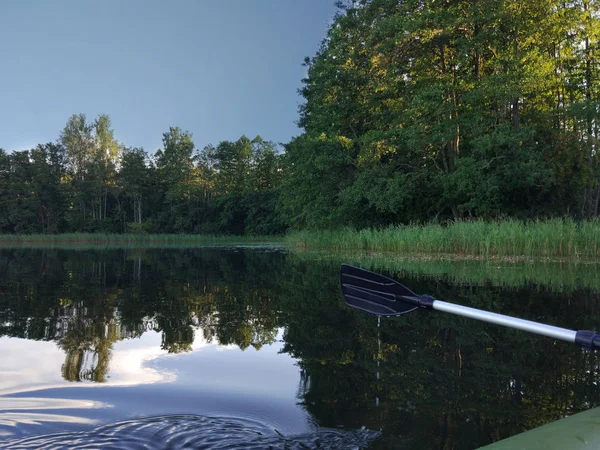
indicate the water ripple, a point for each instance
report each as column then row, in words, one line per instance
column 190, row 431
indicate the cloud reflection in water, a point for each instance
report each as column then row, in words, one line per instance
column 29, row 366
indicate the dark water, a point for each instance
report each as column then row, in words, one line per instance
column 254, row 348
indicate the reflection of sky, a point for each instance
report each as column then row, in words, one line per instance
column 220, row 379
column 31, row 365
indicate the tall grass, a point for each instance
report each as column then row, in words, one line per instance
column 554, row 238
column 93, row 241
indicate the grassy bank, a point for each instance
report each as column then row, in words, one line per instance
column 98, row 241
column 552, row 239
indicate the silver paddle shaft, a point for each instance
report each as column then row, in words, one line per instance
column 511, row 322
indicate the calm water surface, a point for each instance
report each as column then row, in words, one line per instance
column 254, row 347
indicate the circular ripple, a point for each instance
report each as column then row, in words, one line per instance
column 198, row 432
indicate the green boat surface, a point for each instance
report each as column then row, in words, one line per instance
column 578, row 432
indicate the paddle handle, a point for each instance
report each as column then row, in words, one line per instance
column 512, row 322
column 589, row 340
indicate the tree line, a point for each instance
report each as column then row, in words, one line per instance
column 88, row 182
column 414, row 111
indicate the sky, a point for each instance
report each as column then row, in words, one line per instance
column 217, row 68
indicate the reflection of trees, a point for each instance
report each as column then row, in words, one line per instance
column 87, row 301
column 444, row 382
column 87, row 341
column 177, row 336
column 86, row 358
column 246, row 319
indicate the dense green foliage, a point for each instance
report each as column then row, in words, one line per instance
column 414, row 111
column 420, row 110
column 88, row 182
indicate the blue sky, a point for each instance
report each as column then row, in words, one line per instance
column 218, row 68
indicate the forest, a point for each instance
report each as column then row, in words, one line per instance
column 414, row 111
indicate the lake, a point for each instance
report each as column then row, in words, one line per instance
column 251, row 347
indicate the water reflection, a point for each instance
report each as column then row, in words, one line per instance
column 127, row 318
column 195, row 432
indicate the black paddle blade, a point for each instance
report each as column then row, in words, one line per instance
column 374, row 293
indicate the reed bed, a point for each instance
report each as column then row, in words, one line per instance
column 555, row 238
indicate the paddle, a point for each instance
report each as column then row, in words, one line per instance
column 383, row 296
